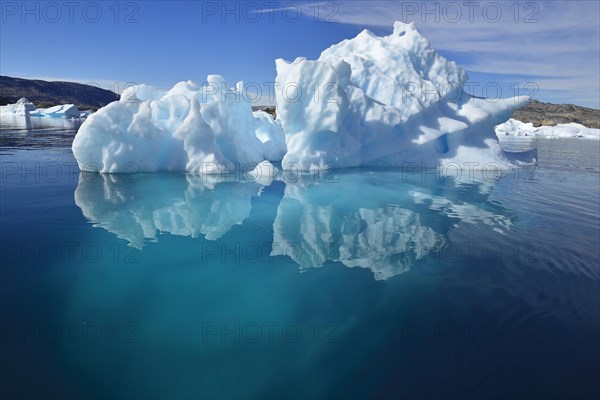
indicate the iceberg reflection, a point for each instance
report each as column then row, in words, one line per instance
column 377, row 222
column 371, row 220
column 136, row 208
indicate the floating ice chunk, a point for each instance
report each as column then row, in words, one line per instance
column 21, row 108
column 62, row 111
column 514, row 127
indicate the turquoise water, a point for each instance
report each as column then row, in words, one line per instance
column 353, row 284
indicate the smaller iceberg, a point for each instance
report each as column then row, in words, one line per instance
column 22, row 108
column 25, row 108
column 62, row 111
column 514, row 127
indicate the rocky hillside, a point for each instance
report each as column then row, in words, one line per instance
column 542, row 114
column 46, row 94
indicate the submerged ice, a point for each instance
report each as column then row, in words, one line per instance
column 312, row 223
column 367, row 101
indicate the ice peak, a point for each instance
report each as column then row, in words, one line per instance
column 366, row 32
column 400, row 28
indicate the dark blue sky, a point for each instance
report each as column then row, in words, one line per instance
column 554, row 45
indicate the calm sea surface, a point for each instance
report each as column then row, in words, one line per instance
column 364, row 283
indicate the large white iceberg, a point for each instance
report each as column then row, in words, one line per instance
column 368, row 101
column 385, row 101
column 196, row 128
column 514, row 127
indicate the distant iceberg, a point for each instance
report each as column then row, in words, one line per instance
column 367, row 101
column 514, row 127
column 21, row 108
column 62, row 111
column 25, row 108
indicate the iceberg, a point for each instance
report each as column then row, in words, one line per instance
column 367, row 101
column 21, row 108
column 385, row 101
column 205, row 129
column 62, row 111
column 25, row 108
column 514, row 127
